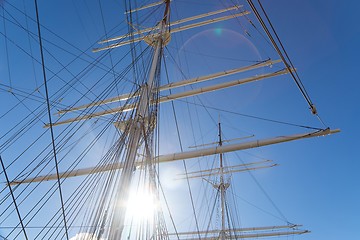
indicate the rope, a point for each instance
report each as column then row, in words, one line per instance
column 50, row 120
column 251, row 116
column 13, row 198
column 290, row 66
column 184, row 164
column 7, row 51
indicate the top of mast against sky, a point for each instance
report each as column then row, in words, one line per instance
column 148, row 35
column 196, row 92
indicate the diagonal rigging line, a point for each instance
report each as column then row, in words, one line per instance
column 13, row 197
column 184, row 164
column 249, row 116
column 50, row 121
column 297, row 80
column 16, row 23
column 294, row 76
column 263, row 190
column 7, row 50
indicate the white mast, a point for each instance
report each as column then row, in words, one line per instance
column 222, row 187
column 137, row 149
column 135, row 135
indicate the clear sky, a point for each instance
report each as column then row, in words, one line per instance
column 323, row 39
column 317, row 181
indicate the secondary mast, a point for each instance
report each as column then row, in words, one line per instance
column 222, row 187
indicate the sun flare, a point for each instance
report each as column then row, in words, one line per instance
column 141, row 205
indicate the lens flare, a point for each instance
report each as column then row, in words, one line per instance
column 141, row 205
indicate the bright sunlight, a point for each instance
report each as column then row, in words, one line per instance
column 142, row 205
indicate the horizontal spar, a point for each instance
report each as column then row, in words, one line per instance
column 229, row 170
column 175, row 96
column 73, row 173
column 171, row 24
column 269, row 234
column 241, row 146
column 172, row 85
column 216, row 87
column 183, row 83
column 179, row 29
column 184, row 155
column 239, row 229
column 257, row 235
column 146, row 6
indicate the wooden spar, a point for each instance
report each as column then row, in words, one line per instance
column 146, row 6
column 175, row 96
column 185, row 155
column 212, row 88
column 257, row 235
column 186, row 82
column 92, row 170
column 175, row 30
column 241, row 233
column 242, row 146
column 240, row 229
column 229, row 170
column 219, row 74
column 245, row 165
column 269, row 234
column 73, row 173
column 228, row 140
column 171, row 24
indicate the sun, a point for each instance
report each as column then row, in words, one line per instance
column 142, row 205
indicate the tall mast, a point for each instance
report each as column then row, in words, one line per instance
column 137, row 132
column 222, row 188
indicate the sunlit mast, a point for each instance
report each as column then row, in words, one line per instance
column 137, row 131
column 225, row 232
column 143, row 118
column 222, row 187
column 161, row 38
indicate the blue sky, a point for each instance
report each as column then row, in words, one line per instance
column 330, row 34
column 316, row 182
